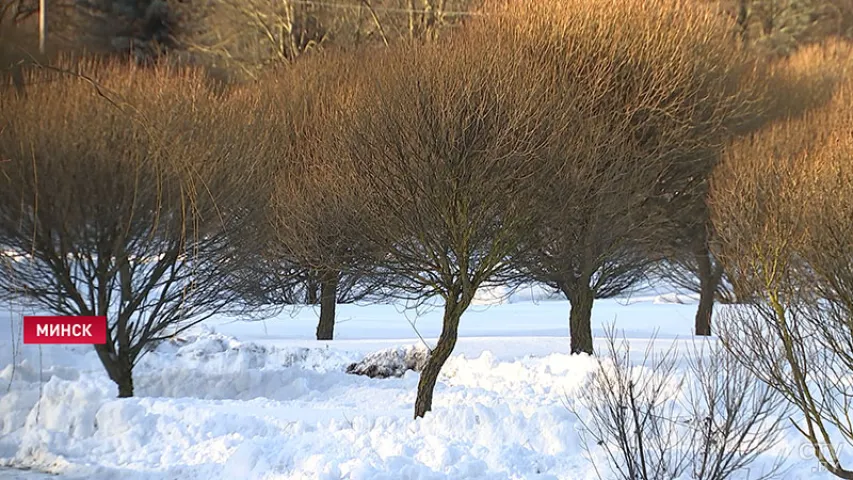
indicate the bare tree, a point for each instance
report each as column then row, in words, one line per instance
column 247, row 35
column 589, row 244
column 318, row 215
column 319, row 224
column 312, row 247
column 780, row 27
column 443, row 142
column 637, row 141
column 687, row 273
column 256, row 32
column 793, row 86
column 120, row 203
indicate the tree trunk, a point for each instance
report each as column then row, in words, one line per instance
column 412, row 11
column 446, row 342
column 580, row 318
column 743, row 20
column 709, row 280
column 125, row 385
column 328, row 302
column 119, row 367
column 311, row 289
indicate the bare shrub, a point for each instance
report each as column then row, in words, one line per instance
column 656, row 419
column 782, row 203
column 120, row 202
column 734, row 418
column 632, row 416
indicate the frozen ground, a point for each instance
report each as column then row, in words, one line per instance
column 238, row 400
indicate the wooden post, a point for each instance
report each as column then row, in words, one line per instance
column 42, row 24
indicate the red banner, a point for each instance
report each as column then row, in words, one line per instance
column 65, row 330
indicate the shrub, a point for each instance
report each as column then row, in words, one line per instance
column 782, row 203
column 701, row 413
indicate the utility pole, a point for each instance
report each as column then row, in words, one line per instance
column 42, row 24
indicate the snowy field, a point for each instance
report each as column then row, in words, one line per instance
column 262, row 400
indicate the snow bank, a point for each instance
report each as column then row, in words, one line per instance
column 243, row 411
column 212, row 407
column 536, row 293
column 501, row 295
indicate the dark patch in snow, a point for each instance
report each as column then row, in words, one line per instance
column 391, row 362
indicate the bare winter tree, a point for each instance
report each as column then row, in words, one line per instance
column 319, row 223
column 312, row 247
column 444, row 142
column 120, row 202
column 267, row 280
column 632, row 159
column 781, row 203
column 795, row 85
column 779, row 27
column 589, row 244
column 690, row 264
column 248, row 34
column 354, row 285
column 687, row 273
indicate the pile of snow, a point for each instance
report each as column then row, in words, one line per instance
column 677, row 298
column 535, row 293
column 391, row 362
column 501, row 294
column 211, row 407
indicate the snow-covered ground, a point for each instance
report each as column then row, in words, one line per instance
column 262, row 400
